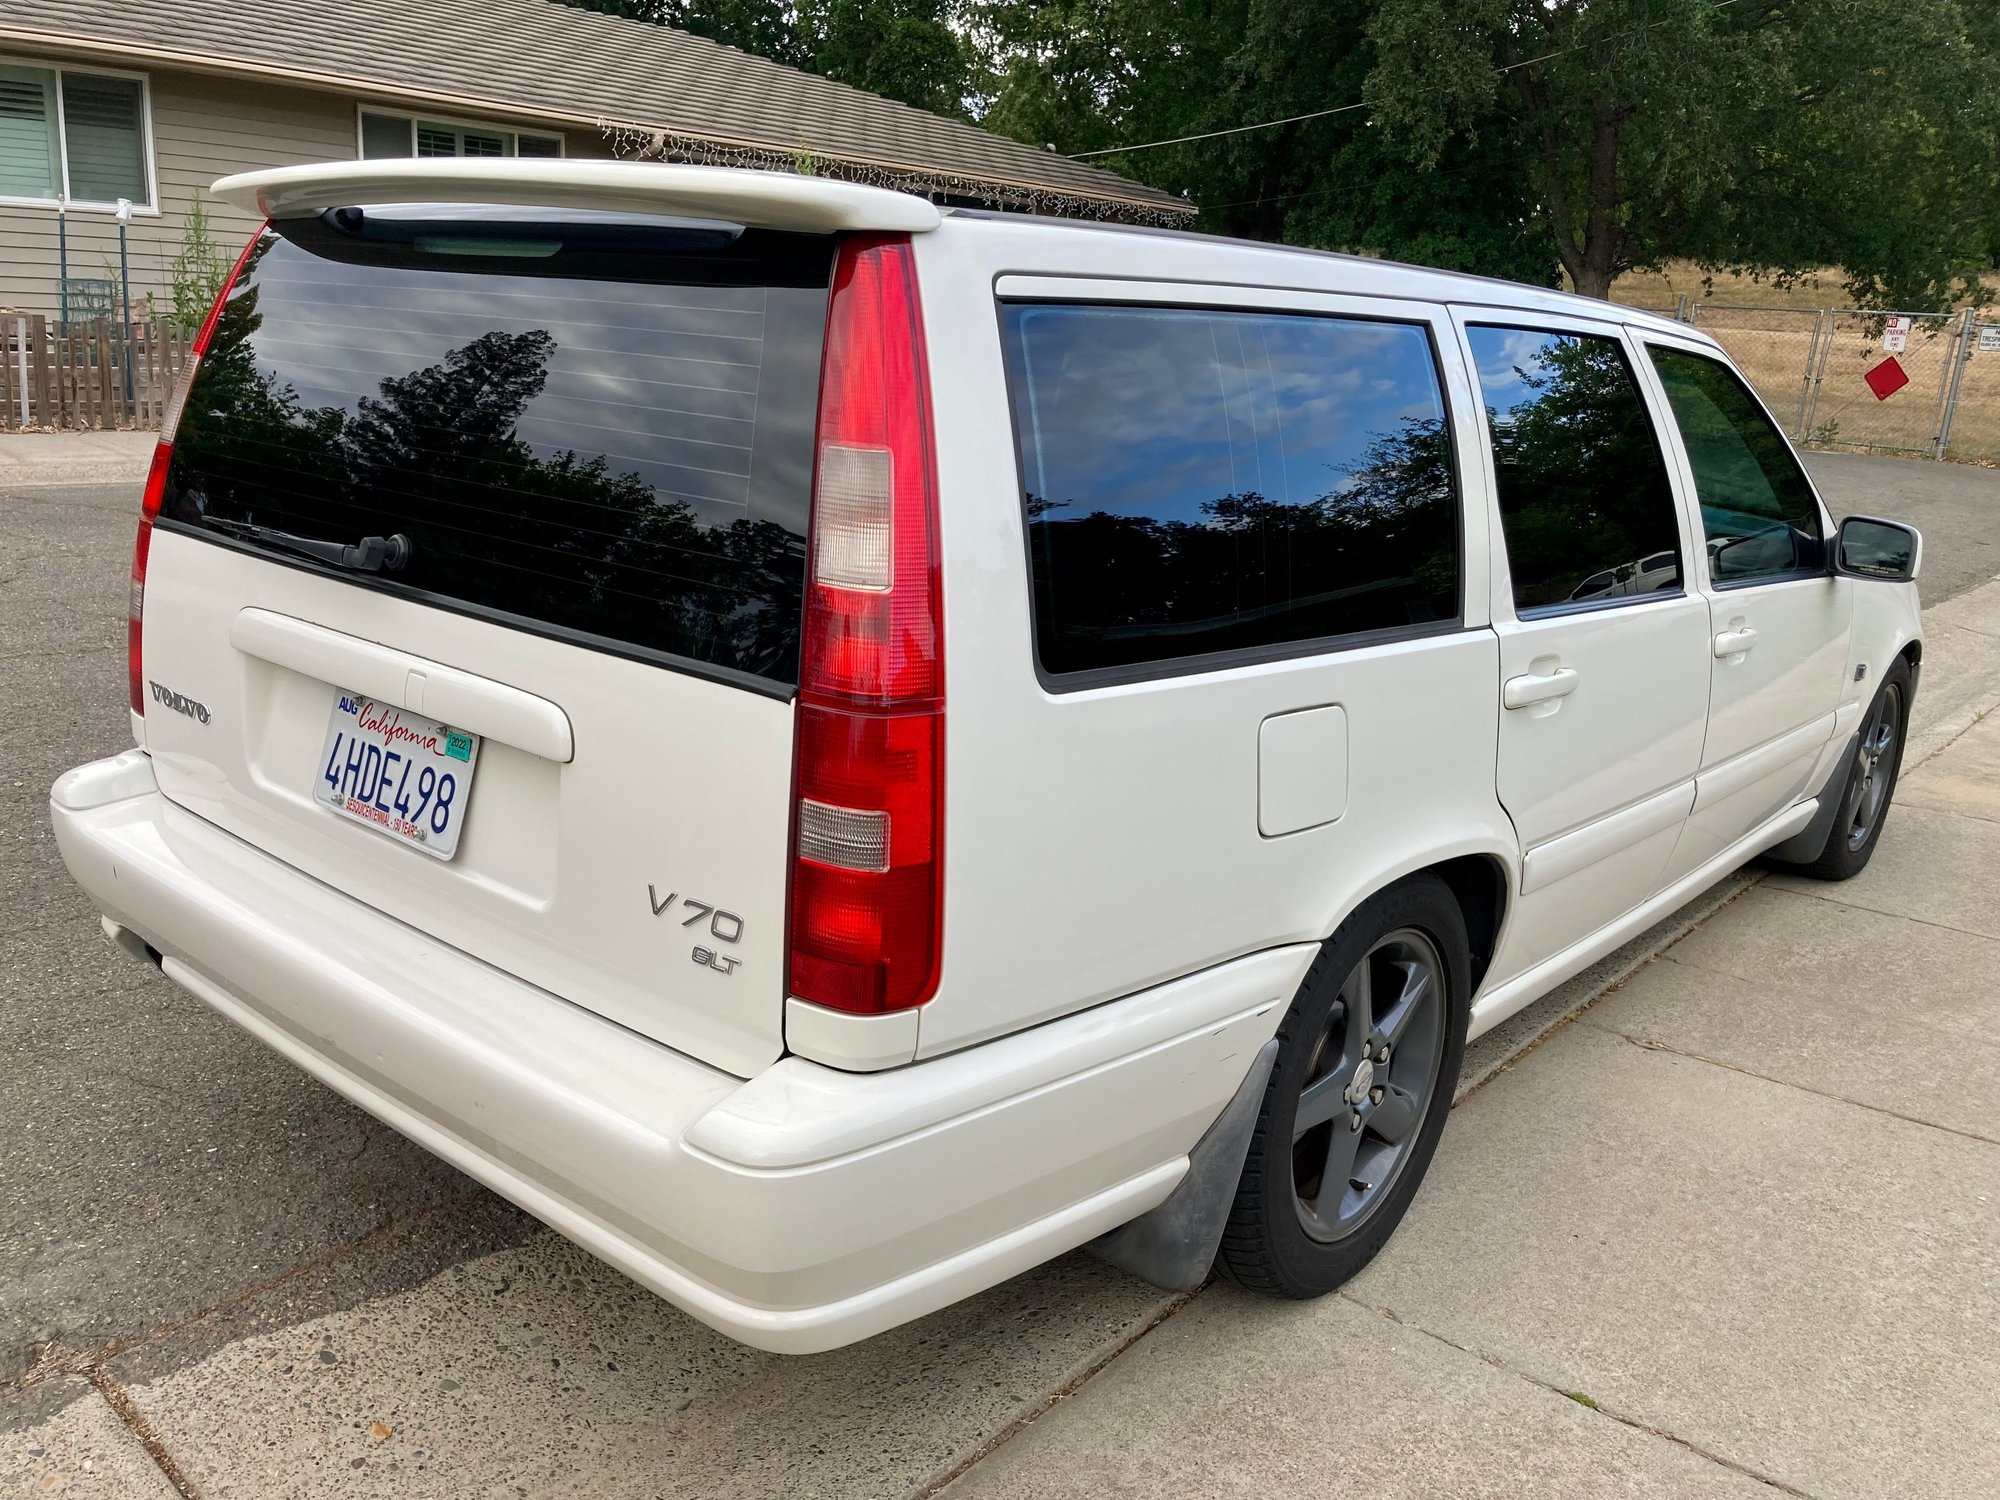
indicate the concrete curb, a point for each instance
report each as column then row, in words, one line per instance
column 37, row 460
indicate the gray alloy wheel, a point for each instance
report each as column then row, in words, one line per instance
column 1868, row 788
column 1368, row 1054
column 1870, row 782
column 1369, row 1085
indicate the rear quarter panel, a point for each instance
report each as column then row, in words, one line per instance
column 1099, row 841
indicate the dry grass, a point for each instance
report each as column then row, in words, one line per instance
column 1682, row 278
column 1770, row 334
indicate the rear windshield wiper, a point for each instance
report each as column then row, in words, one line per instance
column 372, row 554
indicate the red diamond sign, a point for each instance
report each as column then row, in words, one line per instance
column 1887, row 378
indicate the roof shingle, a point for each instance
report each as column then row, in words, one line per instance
column 551, row 61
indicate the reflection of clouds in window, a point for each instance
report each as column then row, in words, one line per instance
column 1501, row 357
column 1186, row 406
column 1585, row 505
column 1199, row 481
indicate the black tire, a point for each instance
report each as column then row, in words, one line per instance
column 1869, row 785
column 1267, row 1245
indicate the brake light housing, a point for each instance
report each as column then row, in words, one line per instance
column 867, row 890
column 156, row 483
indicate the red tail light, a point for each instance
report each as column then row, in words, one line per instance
column 156, row 483
column 868, row 863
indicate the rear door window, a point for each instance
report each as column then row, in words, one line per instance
column 1758, row 511
column 1585, row 502
column 586, row 425
column 1198, row 482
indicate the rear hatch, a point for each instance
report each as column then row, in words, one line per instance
column 520, row 496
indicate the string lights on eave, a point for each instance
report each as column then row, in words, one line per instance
column 635, row 143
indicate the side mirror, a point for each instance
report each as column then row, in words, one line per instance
column 1885, row 551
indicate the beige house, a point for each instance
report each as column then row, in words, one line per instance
column 149, row 101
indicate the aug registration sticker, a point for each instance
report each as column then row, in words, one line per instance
column 398, row 772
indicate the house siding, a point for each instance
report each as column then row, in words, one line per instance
column 203, row 128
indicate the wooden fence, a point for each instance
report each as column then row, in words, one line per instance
column 86, row 376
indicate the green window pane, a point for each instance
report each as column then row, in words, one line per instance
column 436, row 140
column 28, row 167
column 384, row 136
column 1757, row 508
column 539, row 145
column 104, row 131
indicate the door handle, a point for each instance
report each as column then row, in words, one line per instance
column 1735, row 642
column 1534, row 687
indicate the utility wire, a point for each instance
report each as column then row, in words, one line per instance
column 1342, row 109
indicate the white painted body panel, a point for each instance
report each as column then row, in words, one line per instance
column 769, row 200
column 799, row 1211
column 1599, row 779
column 1119, row 841
column 1136, row 875
column 600, row 777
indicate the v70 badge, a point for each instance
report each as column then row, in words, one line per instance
column 723, row 926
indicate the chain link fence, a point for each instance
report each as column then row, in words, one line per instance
column 1827, row 375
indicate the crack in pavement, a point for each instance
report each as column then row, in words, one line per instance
column 135, row 1422
column 58, row 1359
column 1637, row 1424
column 1590, row 1001
column 957, row 1468
column 1651, row 1044
column 1876, row 911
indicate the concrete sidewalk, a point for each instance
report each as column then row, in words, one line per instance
column 1735, row 1228
column 30, row 460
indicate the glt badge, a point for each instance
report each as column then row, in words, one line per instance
column 723, row 926
column 180, row 703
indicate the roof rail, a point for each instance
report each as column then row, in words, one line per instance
column 764, row 200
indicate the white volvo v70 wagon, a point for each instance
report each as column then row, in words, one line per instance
column 833, row 749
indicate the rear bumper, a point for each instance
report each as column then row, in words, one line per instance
column 798, row 1210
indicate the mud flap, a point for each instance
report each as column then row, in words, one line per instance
column 1173, row 1245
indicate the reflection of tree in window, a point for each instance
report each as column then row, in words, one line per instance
column 1757, row 510
column 1378, row 552
column 437, row 454
column 1584, row 498
column 1204, row 482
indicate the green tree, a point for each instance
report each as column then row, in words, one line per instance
column 1771, row 135
column 197, row 271
column 1086, row 74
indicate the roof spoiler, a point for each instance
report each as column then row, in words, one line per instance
column 763, row 200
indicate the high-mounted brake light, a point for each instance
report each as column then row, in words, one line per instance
column 868, row 863
column 156, row 482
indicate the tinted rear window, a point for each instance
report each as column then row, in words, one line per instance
column 1207, row 481
column 1585, row 502
column 591, row 426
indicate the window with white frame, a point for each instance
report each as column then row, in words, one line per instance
column 72, row 135
column 384, row 134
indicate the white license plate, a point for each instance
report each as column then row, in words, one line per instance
column 398, row 772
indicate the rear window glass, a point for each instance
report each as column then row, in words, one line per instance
column 587, row 425
column 1208, row 481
